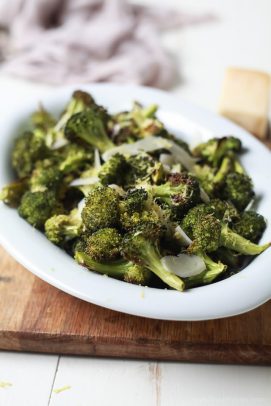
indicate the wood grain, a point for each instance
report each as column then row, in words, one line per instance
column 35, row 316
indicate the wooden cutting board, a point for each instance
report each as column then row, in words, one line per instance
column 35, row 316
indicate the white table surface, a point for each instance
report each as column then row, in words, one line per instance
column 241, row 36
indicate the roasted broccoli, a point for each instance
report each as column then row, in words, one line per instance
column 28, row 148
column 104, row 244
column 113, row 171
column 250, row 225
column 62, row 227
column 121, row 194
column 101, row 209
column 215, row 149
column 125, row 270
column 180, row 192
column 239, row 190
column 141, row 246
column 88, row 128
column 12, row 193
column 208, row 233
column 37, row 207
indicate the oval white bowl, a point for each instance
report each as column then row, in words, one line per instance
column 237, row 294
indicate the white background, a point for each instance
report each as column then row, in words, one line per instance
column 241, row 36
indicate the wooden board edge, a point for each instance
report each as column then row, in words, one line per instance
column 223, row 353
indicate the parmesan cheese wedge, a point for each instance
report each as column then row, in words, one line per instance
column 245, row 99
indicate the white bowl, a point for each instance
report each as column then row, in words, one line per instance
column 237, row 294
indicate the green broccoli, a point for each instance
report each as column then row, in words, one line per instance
column 73, row 157
column 103, row 245
column 101, row 209
column 113, row 171
column 45, row 176
column 87, row 127
column 62, row 227
column 180, row 192
column 208, row 233
column 251, row 225
column 79, row 102
column 12, row 193
column 137, row 208
column 238, row 190
column 42, row 119
column 141, row 167
column 215, row 149
column 213, row 270
column 141, row 246
column 37, row 207
column 28, row 148
column 124, row 270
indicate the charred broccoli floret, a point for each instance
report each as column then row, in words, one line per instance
column 87, row 127
column 251, row 225
column 215, row 149
column 113, row 170
column 12, row 193
column 180, row 192
column 140, row 167
column 37, row 207
column 141, row 246
column 125, row 270
column 28, row 148
column 62, row 227
column 104, row 245
column 239, row 190
column 101, row 209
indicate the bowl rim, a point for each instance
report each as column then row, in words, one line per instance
column 235, row 295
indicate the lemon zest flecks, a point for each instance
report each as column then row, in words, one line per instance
column 5, row 384
column 59, row 390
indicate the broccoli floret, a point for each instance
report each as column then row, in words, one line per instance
column 101, row 209
column 208, row 233
column 223, row 210
column 137, row 208
column 141, row 246
column 113, row 171
column 37, row 207
column 73, row 157
column 43, row 119
column 140, row 167
column 62, row 227
column 215, row 149
column 79, row 101
column 28, row 148
column 124, row 270
column 180, row 192
column 87, row 127
column 213, row 270
column 104, row 245
column 251, row 225
column 45, row 176
column 239, row 190
column 12, row 193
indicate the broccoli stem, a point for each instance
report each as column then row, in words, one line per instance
column 115, row 269
column 152, row 261
column 234, row 241
column 223, row 170
column 213, row 270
